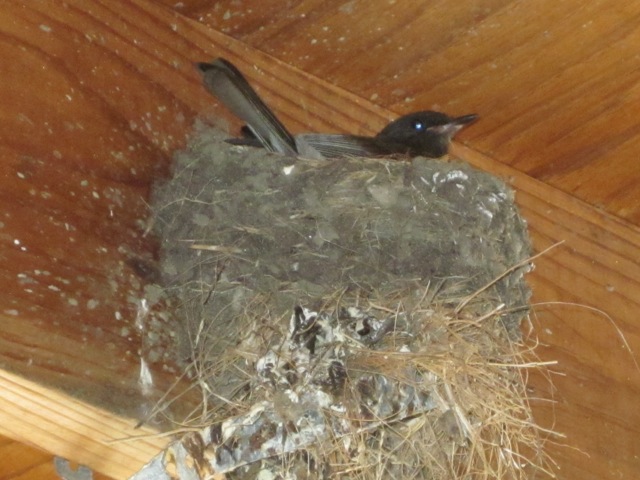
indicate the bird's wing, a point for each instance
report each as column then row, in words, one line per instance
column 225, row 82
column 337, row 145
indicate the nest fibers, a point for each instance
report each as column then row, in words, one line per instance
column 333, row 320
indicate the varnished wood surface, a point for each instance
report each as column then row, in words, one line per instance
column 96, row 95
column 72, row 429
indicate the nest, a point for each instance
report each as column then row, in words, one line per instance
column 355, row 319
column 402, row 387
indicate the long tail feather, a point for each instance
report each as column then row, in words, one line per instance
column 225, row 82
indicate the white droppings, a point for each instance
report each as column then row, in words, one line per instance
column 12, row 311
column 45, row 28
column 455, row 175
column 146, row 380
column 486, row 212
column 143, row 312
column 288, row 170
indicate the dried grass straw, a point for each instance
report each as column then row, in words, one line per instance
column 482, row 427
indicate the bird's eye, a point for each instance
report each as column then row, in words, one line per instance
column 417, row 125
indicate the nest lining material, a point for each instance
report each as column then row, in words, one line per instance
column 322, row 325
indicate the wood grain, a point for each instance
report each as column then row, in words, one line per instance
column 97, row 95
column 72, row 429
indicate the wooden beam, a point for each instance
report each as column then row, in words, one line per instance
column 65, row 426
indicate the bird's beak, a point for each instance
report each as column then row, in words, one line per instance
column 465, row 119
column 455, row 125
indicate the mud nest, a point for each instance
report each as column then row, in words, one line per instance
column 347, row 319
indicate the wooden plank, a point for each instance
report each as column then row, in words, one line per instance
column 76, row 171
column 67, row 427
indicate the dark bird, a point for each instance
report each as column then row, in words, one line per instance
column 425, row 133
